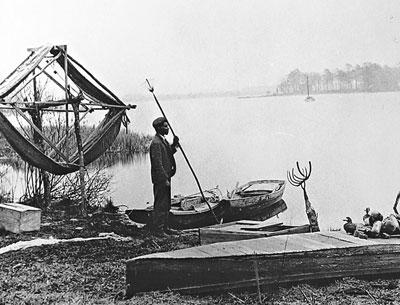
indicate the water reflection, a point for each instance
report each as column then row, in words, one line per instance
column 11, row 178
column 111, row 159
column 15, row 163
column 13, row 170
column 107, row 160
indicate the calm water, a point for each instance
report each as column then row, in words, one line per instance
column 352, row 141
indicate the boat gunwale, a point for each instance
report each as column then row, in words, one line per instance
column 194, row 211
column 180, row 212
column 238, row 201
column 277, row 254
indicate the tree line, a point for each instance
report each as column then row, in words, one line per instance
column 368, row 77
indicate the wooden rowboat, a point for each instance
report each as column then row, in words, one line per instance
column 186, row 212
column 254, row 199
column 256, row 263
column 199, row 215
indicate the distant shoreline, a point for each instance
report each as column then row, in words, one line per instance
column 255, row 96
column 313, row 94
column 239, row 95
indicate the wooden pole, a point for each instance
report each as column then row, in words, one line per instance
column 58, row 83
column 40, row 132
column 37, row 121
column 97, row 81
column 66, row 98
column 53, row 153
column 75, row 107
column 83, row 205
column 151, row 89
column 41, row 70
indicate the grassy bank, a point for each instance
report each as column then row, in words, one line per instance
column 93, row 272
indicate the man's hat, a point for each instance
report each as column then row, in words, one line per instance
column 159, row 121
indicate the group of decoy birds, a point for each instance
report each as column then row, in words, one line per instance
column 373, row 225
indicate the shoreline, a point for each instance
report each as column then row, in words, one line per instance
column 93, row 271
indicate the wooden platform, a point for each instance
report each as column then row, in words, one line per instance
column 263, row 261
column 247, row 229
column 16, row 218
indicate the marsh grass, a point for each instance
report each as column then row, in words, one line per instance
column 131, row 142
column 127, row 146
column 122, row 150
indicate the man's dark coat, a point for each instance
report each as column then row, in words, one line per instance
column 163, row 165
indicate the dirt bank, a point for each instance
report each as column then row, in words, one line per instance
column 93, row 272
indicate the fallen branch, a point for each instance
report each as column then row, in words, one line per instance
column 236, row 298
column 304, row 295
column 371, row 296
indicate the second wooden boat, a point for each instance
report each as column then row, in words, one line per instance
column 254, row 199
column 255, row 263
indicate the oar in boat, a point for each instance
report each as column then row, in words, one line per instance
column 151, row 89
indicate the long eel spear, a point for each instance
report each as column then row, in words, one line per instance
column 151, row 89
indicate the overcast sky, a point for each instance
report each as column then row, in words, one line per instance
column 195, row 46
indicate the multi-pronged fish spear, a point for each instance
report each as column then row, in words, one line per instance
column 304, row 173
column 300, row 180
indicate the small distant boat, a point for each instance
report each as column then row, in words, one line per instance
column 255, row 200
column 308, row 97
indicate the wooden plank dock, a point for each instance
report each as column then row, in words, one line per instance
column 247, row 229
column 263, row 261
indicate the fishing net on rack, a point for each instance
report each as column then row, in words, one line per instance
column 83, row 88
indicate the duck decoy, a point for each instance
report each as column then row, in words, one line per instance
column 375, row 216
column 349, row 226
column 390, row 225
column 366, row 217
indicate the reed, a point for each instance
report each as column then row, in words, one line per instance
column 127, row 141
column 131, row 142
column 124, row 147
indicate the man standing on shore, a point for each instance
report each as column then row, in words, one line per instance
column 163, row 167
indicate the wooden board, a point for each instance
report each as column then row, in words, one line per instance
column 245, row 229
column 263, row 261
column 16, row 218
